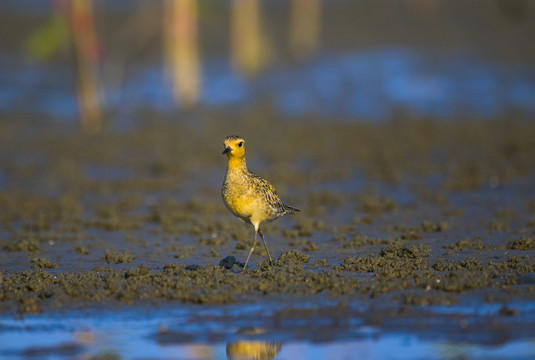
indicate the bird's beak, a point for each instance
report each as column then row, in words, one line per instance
column 227, row 150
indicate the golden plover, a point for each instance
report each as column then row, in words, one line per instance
column 249, row 197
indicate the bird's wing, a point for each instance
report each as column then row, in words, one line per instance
column 267, row 190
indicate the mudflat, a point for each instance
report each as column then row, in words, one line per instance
column 398, row 215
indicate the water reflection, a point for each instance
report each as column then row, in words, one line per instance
column 252, row 349
column 200, row 335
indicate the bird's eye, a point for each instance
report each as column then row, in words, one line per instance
column 240, row 144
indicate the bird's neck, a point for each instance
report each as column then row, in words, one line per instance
column 237, row 164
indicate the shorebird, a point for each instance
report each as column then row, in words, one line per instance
column 249, row 197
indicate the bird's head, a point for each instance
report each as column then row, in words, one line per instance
column 234, row 146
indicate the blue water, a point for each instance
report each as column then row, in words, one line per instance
column 372, row 85
column 191, row 332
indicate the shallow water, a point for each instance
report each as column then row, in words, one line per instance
column 372, row 85
column 217, row 333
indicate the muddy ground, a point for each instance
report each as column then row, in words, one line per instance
column 396, row 215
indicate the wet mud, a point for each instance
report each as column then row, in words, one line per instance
column 398, row 214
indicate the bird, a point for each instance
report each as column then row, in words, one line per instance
column 247, row 196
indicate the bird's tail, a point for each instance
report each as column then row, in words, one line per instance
column 290, row 210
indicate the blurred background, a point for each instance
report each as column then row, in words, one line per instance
column 103, row 64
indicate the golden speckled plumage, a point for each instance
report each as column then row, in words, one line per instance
column 249, row 197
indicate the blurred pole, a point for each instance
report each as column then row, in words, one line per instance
column 304, row 27
column 182, row 50
column 85, row 44
column 246, row 44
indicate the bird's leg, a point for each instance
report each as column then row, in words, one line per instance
column 265, row 245
column 250, row 252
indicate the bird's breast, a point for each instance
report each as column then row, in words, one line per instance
column 236, row 198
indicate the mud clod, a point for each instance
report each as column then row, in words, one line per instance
column 321, row 263
column 294, row 256
column 43, row 263
column 30, row 245
column 228, row 262
column 409, row 252
column 525, row 243
column 467, row 264
column 118, row 257
column 427, row 226
column 475, row 244
column 507, row 311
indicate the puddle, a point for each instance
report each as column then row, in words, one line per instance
column 235, row 333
